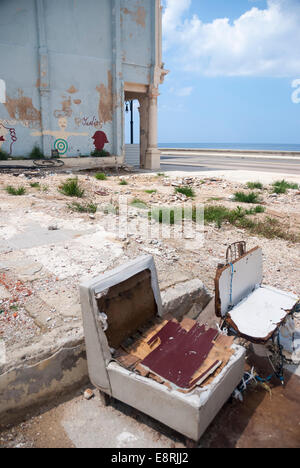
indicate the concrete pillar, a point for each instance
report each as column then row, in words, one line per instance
column 2, row 92
column 118, row 85
column 152, row 153
column 44, row 79
column 144, row 128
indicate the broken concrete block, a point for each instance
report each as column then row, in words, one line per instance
column 4, row 293
column 179, row 299
column 39, row 311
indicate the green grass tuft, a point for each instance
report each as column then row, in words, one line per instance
column 100, row 154
column 36, row 153
column 3, row 155
column 187, row 191
column 83, row 208
column 281, row 186
column 123, row 182
column 150, row 192
column 71, row 188
column 251, row 197
column 255, row 185
column 100, row 176
column 137, row 203
column 15, row 191
column 35, row 185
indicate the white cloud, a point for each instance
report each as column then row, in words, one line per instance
column 296, row 93
column 261, row 42
column 184, row 92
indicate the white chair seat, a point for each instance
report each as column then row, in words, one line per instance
column 261, row 312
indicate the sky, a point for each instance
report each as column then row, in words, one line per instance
column 234, row 72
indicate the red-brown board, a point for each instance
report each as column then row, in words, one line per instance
column 180, row 353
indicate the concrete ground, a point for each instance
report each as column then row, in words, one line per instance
column 49, row 249
column 268, row 417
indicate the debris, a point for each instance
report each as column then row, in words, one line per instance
column 88, row 394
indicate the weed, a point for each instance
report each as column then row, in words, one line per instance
column 71, row 188
column 242, row 197
column 100, row 154
column 268, row 227
column 166, row 215
column 161, row 174
column 36, row 153
column 255, row 185
column 83, row 208
column 137, row 203
column 187, row 191
column 281, row 186
column 100, row 176
column 215, row 199
column 150, row 192
column 3, row 155
column 123, row 182
column 35, row 185
column 15, row 191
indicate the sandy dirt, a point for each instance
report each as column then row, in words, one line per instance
column 47, row 249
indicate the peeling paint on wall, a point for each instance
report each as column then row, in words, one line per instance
column 22, row 108
column 72, row 90
column 139, row 15
column 105, row 109
column 39, row 84
column 66, row 109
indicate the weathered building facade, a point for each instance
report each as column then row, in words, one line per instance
column 68, row 66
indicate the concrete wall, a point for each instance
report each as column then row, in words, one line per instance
column 64, row 63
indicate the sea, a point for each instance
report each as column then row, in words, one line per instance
column 235, row 146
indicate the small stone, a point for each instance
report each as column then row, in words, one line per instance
column 88, row 394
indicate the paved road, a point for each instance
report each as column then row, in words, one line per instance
column 221, row 163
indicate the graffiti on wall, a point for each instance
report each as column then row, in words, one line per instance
column 4, row 131
column 61, row 136
column 100, row 139
column 87, row 122
column 2, row 92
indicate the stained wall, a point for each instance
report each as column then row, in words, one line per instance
column 64, row 64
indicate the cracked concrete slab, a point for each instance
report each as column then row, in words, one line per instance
column 84, row 423
column 66, row 303
column 39, row 311
column 35, row 236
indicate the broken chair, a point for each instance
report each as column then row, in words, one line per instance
column 248, row 308
column 116, row 309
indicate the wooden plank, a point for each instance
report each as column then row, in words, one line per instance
column 142, row 348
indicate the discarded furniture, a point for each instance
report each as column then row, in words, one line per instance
column 249, row 309
column 116, row 308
